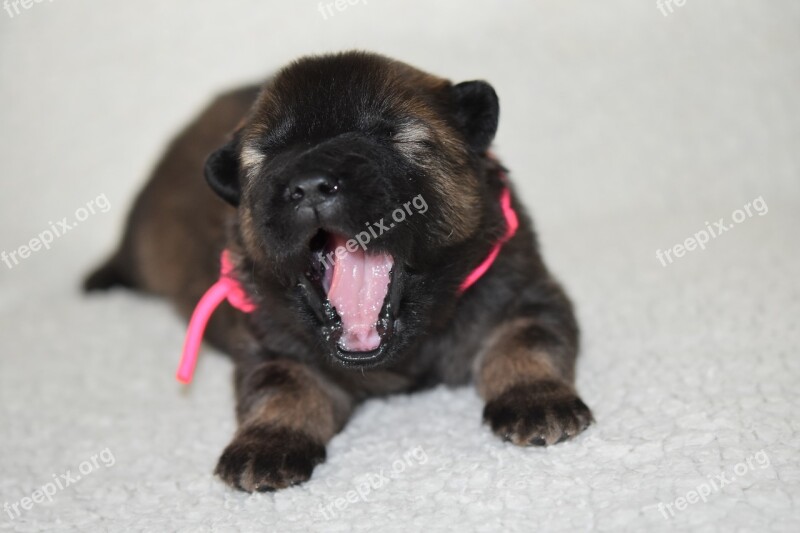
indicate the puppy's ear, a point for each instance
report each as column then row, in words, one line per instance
column 222, row 171
column 477, row 111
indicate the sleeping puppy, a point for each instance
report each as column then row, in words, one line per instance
column 309, row 176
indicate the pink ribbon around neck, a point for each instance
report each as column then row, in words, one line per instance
column 228, row 287
column 512, row 223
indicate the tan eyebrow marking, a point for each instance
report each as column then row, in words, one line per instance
column 251, row 159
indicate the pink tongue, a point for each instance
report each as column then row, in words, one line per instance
column 358, row 287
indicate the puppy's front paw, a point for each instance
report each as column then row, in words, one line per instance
column 266, row 458
column 538, row 413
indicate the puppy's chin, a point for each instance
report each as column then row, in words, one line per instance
column 354, row 294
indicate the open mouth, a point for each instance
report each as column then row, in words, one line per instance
column 352, row 292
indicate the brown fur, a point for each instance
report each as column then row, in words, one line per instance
column 509, row 360
column 291, row 395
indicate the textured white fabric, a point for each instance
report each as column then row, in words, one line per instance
column 626, row 131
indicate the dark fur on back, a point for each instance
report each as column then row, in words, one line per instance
column 384, row 133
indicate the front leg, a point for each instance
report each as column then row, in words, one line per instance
column 525, row 375
column 287, row 413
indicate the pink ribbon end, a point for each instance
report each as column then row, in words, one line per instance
column 226, row 287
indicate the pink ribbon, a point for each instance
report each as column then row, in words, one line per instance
column 512, row 223
column 227, row 287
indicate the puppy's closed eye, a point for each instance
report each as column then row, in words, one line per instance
column 416, row 134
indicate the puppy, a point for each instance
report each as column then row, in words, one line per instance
column 439, row 290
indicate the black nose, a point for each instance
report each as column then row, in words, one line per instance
column 311, row 190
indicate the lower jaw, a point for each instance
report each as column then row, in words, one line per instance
column 331, row 324
column 368, row 359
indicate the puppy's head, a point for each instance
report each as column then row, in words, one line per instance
column 356, row 178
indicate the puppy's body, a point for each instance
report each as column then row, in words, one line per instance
column 370, row 133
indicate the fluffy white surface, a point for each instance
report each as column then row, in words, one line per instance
column 626, row 131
